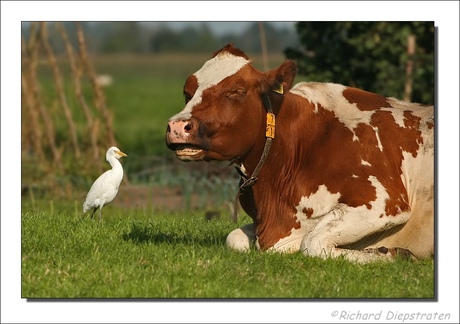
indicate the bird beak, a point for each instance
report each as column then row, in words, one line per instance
column 121, row 153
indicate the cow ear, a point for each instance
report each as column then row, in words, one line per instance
column 283, row 77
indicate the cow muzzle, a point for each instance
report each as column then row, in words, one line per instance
column 180, row 138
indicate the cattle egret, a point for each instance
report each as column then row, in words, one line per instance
column 105, row 188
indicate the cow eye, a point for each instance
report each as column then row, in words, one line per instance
column 235, row 93
column 187, row 97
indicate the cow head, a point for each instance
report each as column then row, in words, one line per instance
column 224, row 115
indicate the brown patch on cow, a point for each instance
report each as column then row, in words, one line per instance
column 307, row 211
column 410, row 120
column 430, row 125
column 336, row 160
column 358, row 192
column 387, row 167
column 365, row 100
column 395, row 137
column 409, row 137
column 394, row 206
column 270, row 230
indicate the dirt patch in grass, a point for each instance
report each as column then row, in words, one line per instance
column 146, row 196
column 173, row 199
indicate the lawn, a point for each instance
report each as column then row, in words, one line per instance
column 147, row 253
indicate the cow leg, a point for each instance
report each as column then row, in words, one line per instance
column 241, row 238
column 346, row 226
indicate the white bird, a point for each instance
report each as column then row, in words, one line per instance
column 105, row 188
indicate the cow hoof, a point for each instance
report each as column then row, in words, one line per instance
column 401, row 253
column 237, row 240
column 395, row 253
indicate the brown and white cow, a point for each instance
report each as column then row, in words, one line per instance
column 348, row 173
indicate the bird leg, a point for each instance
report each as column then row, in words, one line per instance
column 92, row 214
column 100, row 213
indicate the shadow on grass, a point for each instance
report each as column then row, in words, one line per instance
column 148, row 234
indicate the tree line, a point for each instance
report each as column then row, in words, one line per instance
column 390, row 58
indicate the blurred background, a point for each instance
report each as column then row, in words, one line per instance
column 89, row 85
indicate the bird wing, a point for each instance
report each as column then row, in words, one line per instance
column 103, row 190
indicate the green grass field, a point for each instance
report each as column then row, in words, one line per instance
column 155, row 254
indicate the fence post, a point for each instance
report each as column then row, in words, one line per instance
column 409, row 67
column 263, row 43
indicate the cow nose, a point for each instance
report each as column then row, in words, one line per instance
column 179, row 130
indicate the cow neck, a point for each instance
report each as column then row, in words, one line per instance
column 249, row 181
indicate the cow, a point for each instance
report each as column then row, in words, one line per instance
column 326, row 169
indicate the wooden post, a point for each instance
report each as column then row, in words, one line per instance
column 263, row 43
column 409, row 67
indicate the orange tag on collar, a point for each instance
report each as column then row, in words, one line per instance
column 270, row 130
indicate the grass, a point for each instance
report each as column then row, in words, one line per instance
column 156, row 254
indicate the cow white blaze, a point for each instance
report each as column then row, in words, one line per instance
column 213, row 71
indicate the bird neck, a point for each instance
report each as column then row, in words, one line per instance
column 114, row 163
